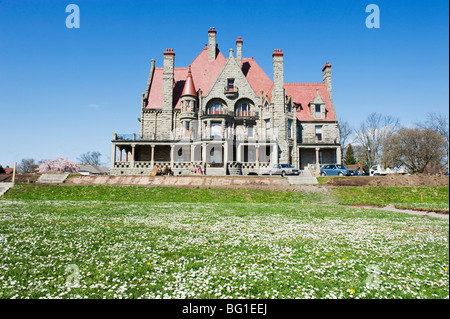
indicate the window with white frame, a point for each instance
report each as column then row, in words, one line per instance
column 318, row 111
column 289, row 128
column 267, row 124
column 319, row 133
column 216, row 129
column 250, row 131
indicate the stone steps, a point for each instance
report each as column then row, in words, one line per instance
column 52, row 178
column 305, row 178
column 4, row 187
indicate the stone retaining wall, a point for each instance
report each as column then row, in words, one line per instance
column 182, row 181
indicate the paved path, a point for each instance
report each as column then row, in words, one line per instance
column 52, row 178
column 4, row 187
column 391, row 208
column 306, row 177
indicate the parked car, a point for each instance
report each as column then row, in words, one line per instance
column 378, row 170
column 336, row 170
column 282, row 169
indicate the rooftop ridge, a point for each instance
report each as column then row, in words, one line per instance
column 304, row 83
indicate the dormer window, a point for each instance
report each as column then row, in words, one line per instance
column 318, row 109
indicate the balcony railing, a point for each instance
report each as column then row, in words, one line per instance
column 126, row 137
column 231, row 91
column 317, row 141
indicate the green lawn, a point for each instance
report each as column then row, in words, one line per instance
column 419, row 197
column 137, row 242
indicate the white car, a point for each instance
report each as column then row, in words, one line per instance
column 283, row 170
column 378, row 170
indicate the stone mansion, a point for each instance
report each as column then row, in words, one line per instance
column 226, row 114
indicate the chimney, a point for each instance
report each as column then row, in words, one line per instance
column 278, row 79
column 239, row 43
column 327, row 77
column 169, row 59
column 212, row 44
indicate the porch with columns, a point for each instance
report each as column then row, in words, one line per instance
column 218, row 155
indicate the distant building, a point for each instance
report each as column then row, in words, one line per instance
column 92, row 170
column 8, row 170
column 228, row 115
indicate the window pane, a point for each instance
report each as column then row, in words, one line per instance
column 216, row 129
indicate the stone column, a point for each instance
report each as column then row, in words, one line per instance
column 317, row 158
column 225, row 155
column 192, row 153
column 223, row 129
column 120, row 154
column 133, row 146
column 239, row 152
column 257, row 155
column 171, row 156
column 208, row 129
column 338, row 155
column 153, row 156
column 113, row 155
column 204, row 153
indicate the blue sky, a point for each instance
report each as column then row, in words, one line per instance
column 64, row 92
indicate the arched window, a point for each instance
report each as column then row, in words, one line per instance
column 216, row 108
column 244, row 109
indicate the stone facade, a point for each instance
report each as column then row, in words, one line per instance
column 228, row 116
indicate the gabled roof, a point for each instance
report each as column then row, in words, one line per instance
column 257, row 78
column 204, row 72
column 304, row 93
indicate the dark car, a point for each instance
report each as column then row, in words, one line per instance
column 336, row 170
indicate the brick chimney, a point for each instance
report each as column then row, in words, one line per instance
column 239, row 43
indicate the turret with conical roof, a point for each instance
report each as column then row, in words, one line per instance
column 189, row 103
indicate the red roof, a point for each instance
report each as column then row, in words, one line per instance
column 8, row 170
column 189, row 87
column 257, row 78
column 303, row 93
column 205, row 72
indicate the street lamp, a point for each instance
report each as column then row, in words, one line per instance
column 368, row 157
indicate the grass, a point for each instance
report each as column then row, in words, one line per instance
column 415, row 197
column 137, row 242
column 156, row 194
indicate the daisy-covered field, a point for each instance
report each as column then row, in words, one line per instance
column 252, row 246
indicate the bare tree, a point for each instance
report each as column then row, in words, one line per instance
column 419, row 149
column 438, row 123
column 372, row 134
column 27, row 165
column 90, row 158
column 345, row 131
